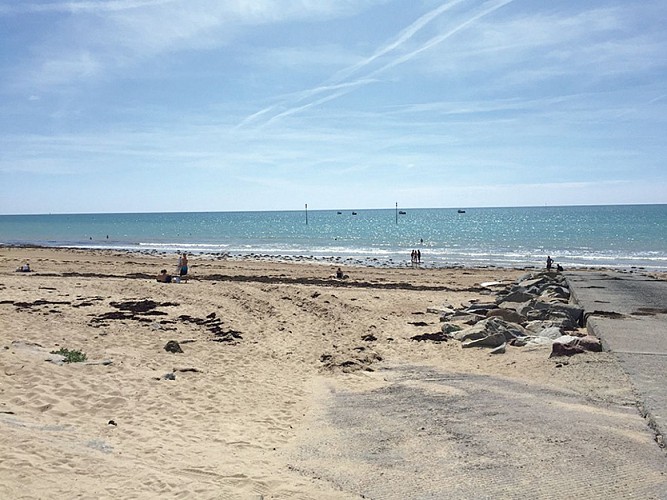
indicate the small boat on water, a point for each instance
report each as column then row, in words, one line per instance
column 354, row 213
column 339, row 213
column 461, row 211
column 401, row 212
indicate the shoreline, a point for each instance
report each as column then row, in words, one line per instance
column 369, row 262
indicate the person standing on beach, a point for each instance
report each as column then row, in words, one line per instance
column 550, row 262
column 183, row 265
column 419, row 256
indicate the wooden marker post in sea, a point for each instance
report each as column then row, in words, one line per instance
column 306, row 214
column 396, row 212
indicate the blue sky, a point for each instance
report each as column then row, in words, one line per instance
column 219, row 105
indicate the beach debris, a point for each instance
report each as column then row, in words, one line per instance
column 214, row 325
column 37, row 303
column 112, row 422
column 186, row 370
column 369, row 338
column 173, row 347
column 227, row 336
column 361, row 359
column 433, row 337
column 102, row 362
column 141, row 306
column 137, row 310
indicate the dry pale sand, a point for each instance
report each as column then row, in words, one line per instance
column 251, row 417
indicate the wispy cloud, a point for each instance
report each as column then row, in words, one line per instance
column 79, row 7
column 122, row 33
column 390, row 55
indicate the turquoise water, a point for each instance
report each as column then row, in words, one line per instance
column 612, row 236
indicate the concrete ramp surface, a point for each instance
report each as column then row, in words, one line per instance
column 431, row 434
column 628, row 312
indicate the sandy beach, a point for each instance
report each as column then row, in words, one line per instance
column 268, row 347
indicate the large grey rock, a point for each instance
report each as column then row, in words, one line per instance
column 540, row 310
column 468, row 319
column 450, row 328
column 489, row 327
column 443, row 310
column 550, row 333
column 537, row 326
column 493, row 340
column 532, row 342
column 590, row 343
column 500, row 349
column 506, row 314
column 513, row 306
column 533, row 281
column 173, row 347
column 555, row 292
column 516, row 296
column 482, row 308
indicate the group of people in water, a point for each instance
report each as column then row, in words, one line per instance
column 416, row 257
column 181, row 271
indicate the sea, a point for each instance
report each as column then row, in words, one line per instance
column 614, row 236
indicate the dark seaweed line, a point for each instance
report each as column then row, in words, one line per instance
column 297, row 281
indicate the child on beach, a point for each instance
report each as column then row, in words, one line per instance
column 163, row 277
column 25, row 268
column 340, row 274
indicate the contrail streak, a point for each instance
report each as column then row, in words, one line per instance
column 441, row 38
column 344, row 88
column 403, row 37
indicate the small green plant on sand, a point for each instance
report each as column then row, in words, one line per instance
column 71, row 356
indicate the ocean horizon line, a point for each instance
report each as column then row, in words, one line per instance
column 310, row 209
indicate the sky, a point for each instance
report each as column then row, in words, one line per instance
column 234, row 105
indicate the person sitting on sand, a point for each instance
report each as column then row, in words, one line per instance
column 25, row 268
column 163, row 277
column 340, row 275
column 559, row 268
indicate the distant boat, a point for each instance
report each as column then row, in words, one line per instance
column 402, row 212
column 461, row 211
column 339, row 213
column 354, row 213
